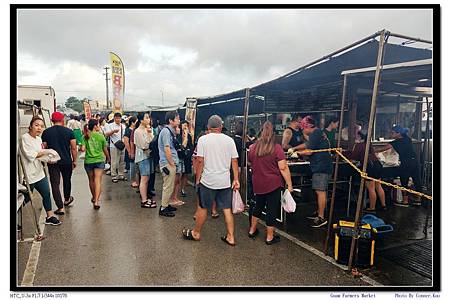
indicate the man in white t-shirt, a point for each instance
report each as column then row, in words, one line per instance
column 116, row 131
column 216, row 152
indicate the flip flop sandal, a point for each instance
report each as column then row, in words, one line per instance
column 356, row 273
column 224, row 238
column 67, row 203
column 153, row 204
column 146, row 204
column 187, row 235
column 215, row 216
column 274, row 240
column 254, row 234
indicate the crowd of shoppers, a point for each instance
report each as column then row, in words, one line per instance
column 141, row 147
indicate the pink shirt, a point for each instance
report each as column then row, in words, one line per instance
column 266, row 176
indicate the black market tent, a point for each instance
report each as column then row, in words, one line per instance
column 307, row 84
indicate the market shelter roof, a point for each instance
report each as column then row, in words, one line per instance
column 320, row 80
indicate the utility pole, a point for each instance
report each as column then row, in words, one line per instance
column 107, row 92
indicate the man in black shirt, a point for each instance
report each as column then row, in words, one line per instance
column 292, row 135
column 62, row 140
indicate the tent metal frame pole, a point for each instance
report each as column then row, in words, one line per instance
column 244, row 148
column 409, row 38
column 368, row 141
column 426, row 149
column 336, row 168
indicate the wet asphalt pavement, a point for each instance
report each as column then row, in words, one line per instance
column 123, row 244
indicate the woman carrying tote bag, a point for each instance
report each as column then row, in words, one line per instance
column 32, row 152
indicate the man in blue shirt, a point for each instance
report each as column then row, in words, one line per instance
column 168, row 158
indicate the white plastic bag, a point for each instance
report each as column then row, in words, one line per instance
column 287, row 202
column 50, row 156
column 237, row 204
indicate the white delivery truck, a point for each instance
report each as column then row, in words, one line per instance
column 32, row 98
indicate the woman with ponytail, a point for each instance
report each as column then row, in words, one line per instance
column 270, row 174
column 409, row 164
column 94, row 143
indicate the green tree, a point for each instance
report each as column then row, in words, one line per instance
column 75, row 104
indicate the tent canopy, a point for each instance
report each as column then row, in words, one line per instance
column 307, row 85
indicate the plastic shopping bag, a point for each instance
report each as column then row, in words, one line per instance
column 50, row 156
column 237, row 204
column 287, row 202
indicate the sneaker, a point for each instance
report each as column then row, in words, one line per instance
column 52, row 221
column 318, row 222
column 313, row 216
column 183, row 194
column 171, row 208
column 166, row 212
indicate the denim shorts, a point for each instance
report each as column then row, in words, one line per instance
column 320, row 181
column 206, row 196
column 145, row 167
column 91, row 167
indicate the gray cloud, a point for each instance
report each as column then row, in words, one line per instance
column 214, row 51
column 26, row 73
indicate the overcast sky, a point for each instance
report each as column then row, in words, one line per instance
column 187, row 53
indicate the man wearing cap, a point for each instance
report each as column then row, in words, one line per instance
column 216, row 152
column 62, row 140
column 409, row 164
column 116, row 131
column 321, row 166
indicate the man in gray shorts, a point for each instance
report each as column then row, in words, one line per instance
column 321, row 167
column 215, row 153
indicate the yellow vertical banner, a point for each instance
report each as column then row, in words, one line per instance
column 191, row 109
column 118, row 81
